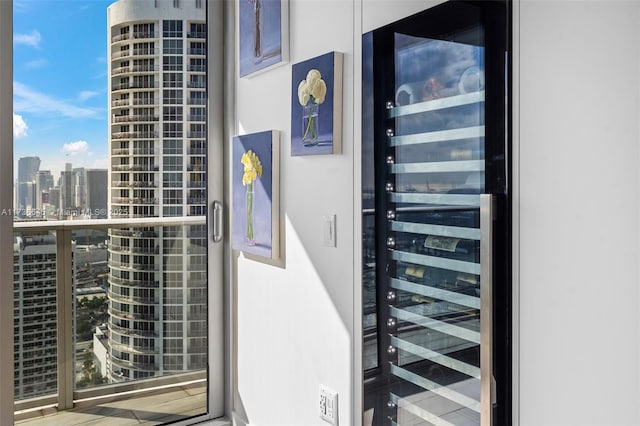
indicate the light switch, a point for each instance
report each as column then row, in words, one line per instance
column 329, row 230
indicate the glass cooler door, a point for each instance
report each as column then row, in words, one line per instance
column 434, row 230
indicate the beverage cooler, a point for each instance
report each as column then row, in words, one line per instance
column 436, row 218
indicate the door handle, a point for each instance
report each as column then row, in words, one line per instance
column 487, row 379
column 216, row 221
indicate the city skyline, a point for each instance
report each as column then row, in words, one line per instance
column 76, row 192
column 60, row 83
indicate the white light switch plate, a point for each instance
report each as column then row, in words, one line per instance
column 329, row 230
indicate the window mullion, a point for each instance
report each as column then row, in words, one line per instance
column 6, row 204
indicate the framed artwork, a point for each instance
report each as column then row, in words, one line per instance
column 255, row 192
column 316, row 106
column 263, row 35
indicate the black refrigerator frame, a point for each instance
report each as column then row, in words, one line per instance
column 378, row 70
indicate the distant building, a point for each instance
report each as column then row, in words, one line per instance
column 54, row 202
column 80, row 187
column 27, row 201
column 44, row 183
column 67, row 187
column 27, row 169
column 96, row 187
column 35, row 320
column 101, row 350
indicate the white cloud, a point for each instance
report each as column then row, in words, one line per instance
column 37, row 63
column 19, row 126
column 32, row 39
column 28, row 100
column 19, row 6
column 86, row 94
column 75, row 148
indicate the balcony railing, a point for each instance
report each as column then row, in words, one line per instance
column 134, row 69
column 134, row 135
column 134, row 118
column 67, row 393
column 120, row 37
column 120, row 54
column 145, row 52
column 145, row 34
column 196, row 200
column 197, row 34
column 193, row 135
column 145, row 101
column 136, row 282
column 132, row 299
column 120, row 103
column 135, row 85
column 133, row 332
column 132, row 233
column 136, row 348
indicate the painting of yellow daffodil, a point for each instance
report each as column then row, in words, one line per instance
column 316, row 105
column 254, row 214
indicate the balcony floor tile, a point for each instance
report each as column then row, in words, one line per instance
column 147, row 410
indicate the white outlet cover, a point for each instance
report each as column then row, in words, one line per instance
column 328, row 405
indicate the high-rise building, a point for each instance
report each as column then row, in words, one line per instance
column 54, row 201
column 34, row 280
column 80, row 187
column 157, row 108
column 27, row 168
column 67, row 186
column 27, row 194
column 96, row 197
column 44, row 183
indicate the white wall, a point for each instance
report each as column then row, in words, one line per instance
column 576, row 160
column 577, row 195
column 299, row 320
column 295, row 319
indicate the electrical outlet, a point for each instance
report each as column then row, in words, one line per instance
column 328, row 405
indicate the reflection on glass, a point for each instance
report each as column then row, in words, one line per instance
column 437, row 149
column 421, row 236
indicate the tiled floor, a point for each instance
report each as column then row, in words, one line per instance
column 150, row 409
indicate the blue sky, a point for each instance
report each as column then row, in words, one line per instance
column 60, row 82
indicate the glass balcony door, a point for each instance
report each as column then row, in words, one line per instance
column 117, row 244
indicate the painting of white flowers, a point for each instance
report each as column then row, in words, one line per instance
column 255, row 192
column 316, row 106
column 263, row 34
